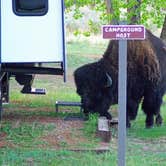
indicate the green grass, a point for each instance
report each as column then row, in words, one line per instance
column 88, row 54
column 91, row 124
column 54, row 158
column 25, row 135
column 67, row 158
column 138, row 127
column 85, row 48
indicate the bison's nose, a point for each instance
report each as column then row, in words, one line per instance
column 86, row 102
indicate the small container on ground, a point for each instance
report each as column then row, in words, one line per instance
column 103, row 130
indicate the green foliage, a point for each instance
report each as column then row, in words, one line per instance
column 77, row 13
column 151, row 12
column 93, row 26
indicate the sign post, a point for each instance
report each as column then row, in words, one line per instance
column 122, row 33
column 122, row 86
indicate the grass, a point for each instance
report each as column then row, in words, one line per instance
column 55, row 158
column 88, row 54
column 138, row 127
column 68, row 158
column 25, row 135
column 23, row 143
column 91, row 124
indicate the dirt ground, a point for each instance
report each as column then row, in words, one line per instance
column 67, row 134
column 3, row 143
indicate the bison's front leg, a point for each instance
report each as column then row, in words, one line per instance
column 128, row 124
column 149, row 120
column 103, row 107
column 132, row 109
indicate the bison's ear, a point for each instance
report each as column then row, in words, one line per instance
column 109, row 80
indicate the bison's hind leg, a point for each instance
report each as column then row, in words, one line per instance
column 159, row 120
column 151, row 106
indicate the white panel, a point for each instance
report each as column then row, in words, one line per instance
column 32, row 38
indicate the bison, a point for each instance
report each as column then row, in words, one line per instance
column 97, row 83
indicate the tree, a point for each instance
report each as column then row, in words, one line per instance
column 163, row 32
column 110, row 11
column 134, row 13
column 146, row 12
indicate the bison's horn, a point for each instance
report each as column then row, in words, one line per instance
column 109, row 80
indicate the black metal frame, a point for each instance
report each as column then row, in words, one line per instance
column 1, row 75
column 5, row 87
column 32, row 70
column 6, row 71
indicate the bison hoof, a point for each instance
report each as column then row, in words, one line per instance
column 159, row 120
column 149, row 122
column 128, row 125
column 86, row 115
column 109, row 117
column 149, row 126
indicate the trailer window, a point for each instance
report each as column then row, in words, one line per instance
column 30, row 7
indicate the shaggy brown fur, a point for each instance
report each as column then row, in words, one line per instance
column 141, row 55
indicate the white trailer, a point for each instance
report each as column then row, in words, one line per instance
column 32, row 34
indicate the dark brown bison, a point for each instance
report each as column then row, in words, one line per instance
column 97, row 83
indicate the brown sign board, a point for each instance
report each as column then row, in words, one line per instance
column 123, row 32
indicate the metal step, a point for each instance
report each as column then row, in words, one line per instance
column 36, row 91
column 67, row 103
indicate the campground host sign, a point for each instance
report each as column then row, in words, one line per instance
column 123, row 32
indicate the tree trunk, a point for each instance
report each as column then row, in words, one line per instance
column 110, row 11
column 163, row 32
column 135, row 10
